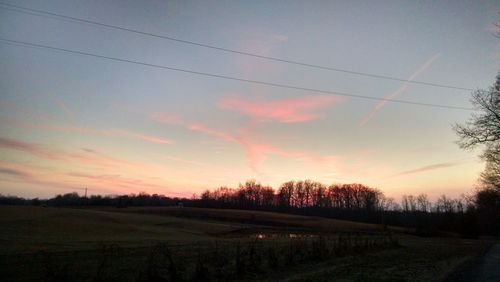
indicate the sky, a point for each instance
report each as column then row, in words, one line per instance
column 70, row 122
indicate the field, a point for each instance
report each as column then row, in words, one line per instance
column 172, row 243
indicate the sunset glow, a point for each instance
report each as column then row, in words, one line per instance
column 71, row 122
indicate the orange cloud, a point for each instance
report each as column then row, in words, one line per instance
column 287, row 110
column 400, row 90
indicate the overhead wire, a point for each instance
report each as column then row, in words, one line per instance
column 219, row 76
column 38, row 12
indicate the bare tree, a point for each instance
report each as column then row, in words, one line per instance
column 285, row 194
column 445, row 205
column 409, row 203
column 491, row 174
column 423, row 203
column 483, row 129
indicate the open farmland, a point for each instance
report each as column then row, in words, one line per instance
column 139, row 244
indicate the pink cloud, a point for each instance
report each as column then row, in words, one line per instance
column 71, row 181
column 166, row 118
column 255, row 153
column 85, row 160
column 97, row 159
column 280, row 37
column 400, row 90
column 40, row 176
column 118, row 181
column 32, row 148
column 65, row 108
column 322, row 161
column 287, row 110
column 87, row 168
column 15, row 171
column 191, row 162
column 213, row 132
column 176, row 120
column 130, row 134
column 426, row 168
column 88, row 157
column 111, row 132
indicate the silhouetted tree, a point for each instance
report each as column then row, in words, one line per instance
column 285, row 194
column 487, row 202
column 483, row 128
column 346, row 201
column 423, row 203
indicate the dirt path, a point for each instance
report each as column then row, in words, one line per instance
column 481, row 268
column 489, row 270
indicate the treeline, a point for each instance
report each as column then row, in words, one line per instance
column 310, row 195
column 469, row 216
column 357, row 202
column 294, row 194
column 76, row 200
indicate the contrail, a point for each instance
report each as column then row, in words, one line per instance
column 401, row 89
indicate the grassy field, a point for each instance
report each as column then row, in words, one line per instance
column 138, row 244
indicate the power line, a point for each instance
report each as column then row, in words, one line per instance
column 37, row 12
column 278, row 85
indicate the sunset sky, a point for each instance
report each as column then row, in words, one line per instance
column 69, row 122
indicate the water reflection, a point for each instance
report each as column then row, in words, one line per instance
column 283, row 235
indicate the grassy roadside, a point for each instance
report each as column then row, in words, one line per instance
column 416, row 260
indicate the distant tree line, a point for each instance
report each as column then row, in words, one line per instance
column 295, row 194
column 470, row 216
column 75, row 200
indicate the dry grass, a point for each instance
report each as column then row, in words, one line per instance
column 418, row 259
column 261, row 218
column 37, row 242
column 26, row 229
